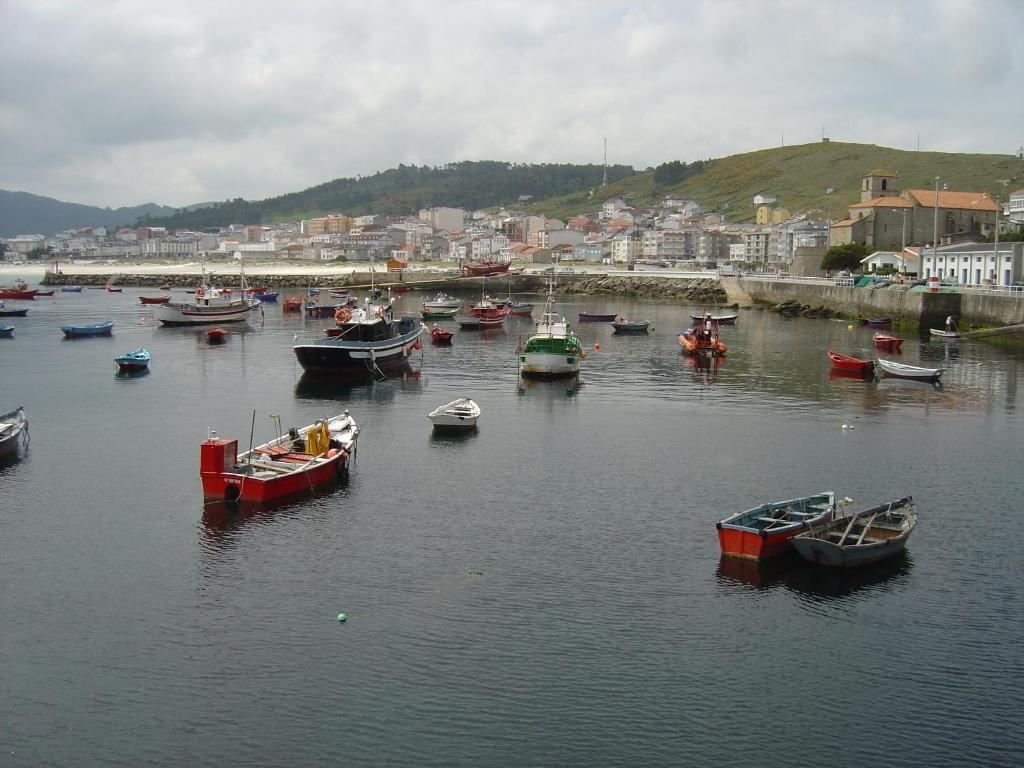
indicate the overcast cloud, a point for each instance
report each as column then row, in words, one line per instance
column 122, row 103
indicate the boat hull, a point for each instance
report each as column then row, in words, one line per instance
column 548, row 365
column 131, row 367
column 591, row 317
column 80, row 331
column 767, row 531
column 944, row 334
column 882, row 533
column 356, row 360
column 625, row 327
column 19, row 295
column 188, row 314
column 154, row 299
column 850, row 364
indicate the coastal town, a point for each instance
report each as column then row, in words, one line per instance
column 897, row 226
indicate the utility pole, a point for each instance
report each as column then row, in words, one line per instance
column 995, row 248
column 919, row 142
column 604, row 181
column 935, row 230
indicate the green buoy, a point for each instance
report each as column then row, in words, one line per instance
column 342, row 617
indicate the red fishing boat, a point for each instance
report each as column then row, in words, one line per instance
column 292, row 463
column 19, row 290
column 887, row 342
column 154, row 299
column 848, row 363
column 216, row 335
column 439, row 335
column 291, row 305
column 485, row 267
column 112, row 289
column 765, row 531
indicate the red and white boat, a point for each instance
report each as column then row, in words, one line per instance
column 484, row 315
column 843, row 362
column 112, row 289
column 211, row 305
column 485, row 267
column 19, row 290
column 765, row 531
column 887, row 342
column 292, row 463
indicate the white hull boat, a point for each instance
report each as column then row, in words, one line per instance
column 457, row 416
column 902, row 371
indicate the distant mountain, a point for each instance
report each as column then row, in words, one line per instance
column 799, row 176
column 22, row 213
column 407, row 189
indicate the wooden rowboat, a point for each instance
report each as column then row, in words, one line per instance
column 154, row 299
column 850, row 363
column 97, row 329
column 902, row 371
column 887, row 342
column 944, row 334
column 439, row 335
column 766, row 530
column 859, row 539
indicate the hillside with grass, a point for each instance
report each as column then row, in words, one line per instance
column 799, row 175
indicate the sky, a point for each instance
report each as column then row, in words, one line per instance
column 122, row 103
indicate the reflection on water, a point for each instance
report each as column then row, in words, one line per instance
column 446, row 439
column 313, row 387
column 127, row 375
column 817, row 581
column 550, row 388
column 754, row 573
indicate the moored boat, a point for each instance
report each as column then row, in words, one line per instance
column 720, row 319
column 71, row 289
column 267, row 297
column 131, row 362
column 211, row 305
column 849, row 363
column 520, row 308
column 46, row 293
column 293, row 462
column 6, row 331
column 595, row 317
column 887, row 342
column 439, row 313
column 291, row 305
column 442, row 301
column 902, row 371
column 879, row 322
column 216, row 335
column 154, row 299
column 457, row 416
column 111, row 289
column 765, row 531
column 439, row 335
column 19, row 291
column 4, row 312
column 861, row 538
column 622, row 325
column 702, row 340
column 369, row 342
column 96, row 329
column 13, row 431
column 553, row 351
column 944, row 334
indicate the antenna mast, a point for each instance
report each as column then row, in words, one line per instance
column 604, row 181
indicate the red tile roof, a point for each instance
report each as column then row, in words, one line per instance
column 888, row 201
column 976, row 201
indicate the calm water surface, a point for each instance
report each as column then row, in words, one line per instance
column 547, row 591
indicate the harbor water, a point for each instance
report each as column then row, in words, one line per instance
column 545, row 591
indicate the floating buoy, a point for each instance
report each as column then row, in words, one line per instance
column 846, row 426
column 597, row 347
column 849, row 327
column 342, row 618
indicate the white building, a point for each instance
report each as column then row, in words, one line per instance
column 444, row 219
column 977, row 264
column 1015, row 209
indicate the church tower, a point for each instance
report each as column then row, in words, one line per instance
column 878, row 184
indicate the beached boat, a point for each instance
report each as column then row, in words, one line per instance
column 293, row 462
column 887, row 342
column 71, row 289
column 553, row 351
column 134, row 361
column 720, row 319
column 216, row 335
column 96, row 329
column 154, row 299
column 4, row 312
column 861, row 538
column 595, row 317
column 485, row 267
column 6, row 331
column 944, row 334
column 370, row 342
column 849, row 363
column 457, row 416
column 766, row 531
column 210, row 306
column 439, row 313
column 622, row 325
column 13, row 431
column 901, row 371
column 439, row 335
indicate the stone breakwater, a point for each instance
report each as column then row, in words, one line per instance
column 699, row 291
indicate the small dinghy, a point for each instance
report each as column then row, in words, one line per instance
column 134, row 361
column 457, row 416
column 13, row 312
column 622, row 325
column 887, row 342
column 859, row 539
column 944, row 334
column 901, row 371
column 849, row 363
column 154, row 299
column 595, row 317
column 71, row 289
column 6, row 331
column 439, row 335
column 216, row 335
column 98, row 329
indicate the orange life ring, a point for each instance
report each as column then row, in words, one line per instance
column 342, row 315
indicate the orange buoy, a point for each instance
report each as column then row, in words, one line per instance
column 597, row 347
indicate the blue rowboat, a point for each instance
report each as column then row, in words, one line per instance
column 99, row 329
column 6, row 331
column 136, row 360
column 267, row 297
column 71, row 289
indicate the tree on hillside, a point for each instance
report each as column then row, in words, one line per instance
column 844, row 256
column 667, row 174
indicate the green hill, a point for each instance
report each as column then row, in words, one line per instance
column 799, row 175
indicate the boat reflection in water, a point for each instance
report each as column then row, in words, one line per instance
column 812, row 581
column 840, row 373
column 452, row 439
column 222, row 520
column 552, row 388
column 314, row 387
column 121, row 375
column 705, row 368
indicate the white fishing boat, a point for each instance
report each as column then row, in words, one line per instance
column 210, row 305
column 457, row 416
column 553, row 351
column 13, row 431
column 903, row 371
column 442, row 301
